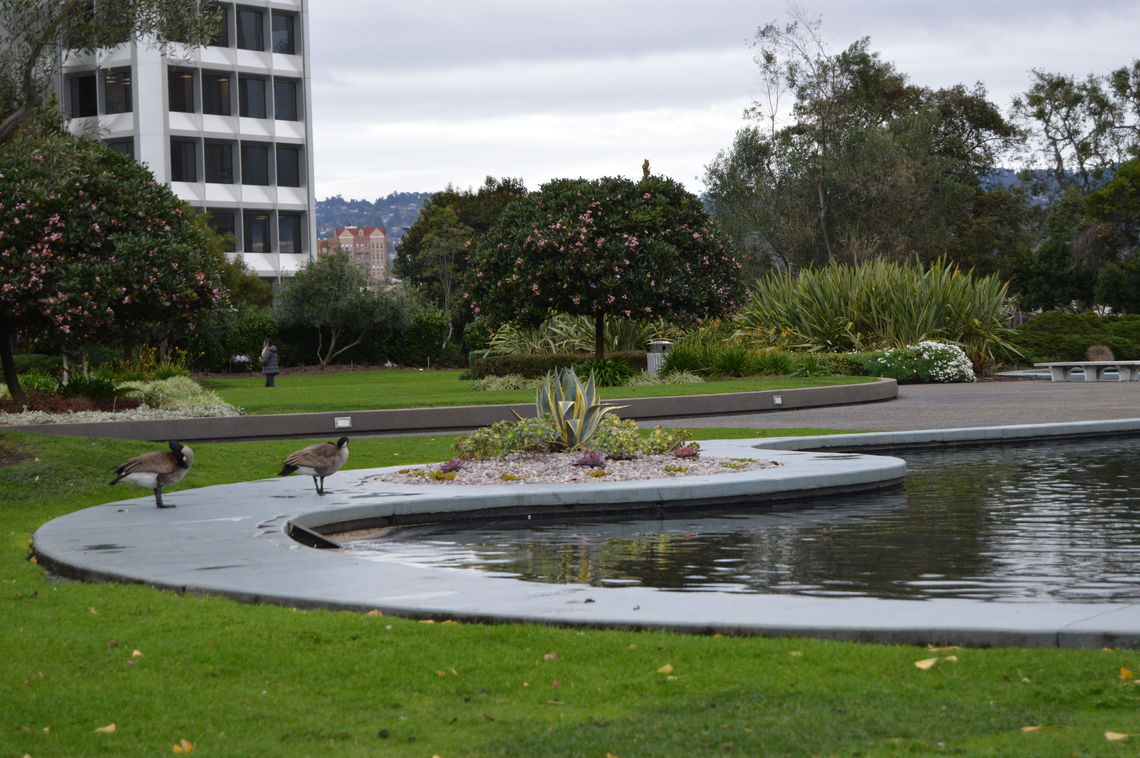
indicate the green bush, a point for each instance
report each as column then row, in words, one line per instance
column 1064, row 336
column 499, row 383
column 807, row 365
column 526, row 435
column 618, row 438
column 686, row 358
column 730, row 360
column 923, row 363
column 772, row 362
column 93, row 386
column 29, row 363
column 607, row 372
column 879, row 304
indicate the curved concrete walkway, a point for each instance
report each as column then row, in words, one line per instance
column 232, row 540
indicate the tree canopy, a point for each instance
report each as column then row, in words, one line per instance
column 31, row 32
column 93, row 249
column 330, row 297
column 609, row 246
column 870, row 165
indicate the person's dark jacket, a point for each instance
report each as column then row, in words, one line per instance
column 269, row 360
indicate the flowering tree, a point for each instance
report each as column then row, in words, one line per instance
column 92, row 248
column 602, row 247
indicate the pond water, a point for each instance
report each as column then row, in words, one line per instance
column 1054, row 522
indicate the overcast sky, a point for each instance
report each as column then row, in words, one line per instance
column 440, row 92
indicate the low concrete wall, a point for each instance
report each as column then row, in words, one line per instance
column 459, row 419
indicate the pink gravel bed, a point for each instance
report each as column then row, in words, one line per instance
column 559, row 468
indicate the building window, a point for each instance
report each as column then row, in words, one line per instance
column 216, row 94
column 285, row 105
column 288, row 166
column 117, row 91
column 255, row 225
column 183, row 160
column 221, row 220
column 250, row 29
column 221, row 37
column 180, row 83
column 254, row 164
column 122, row 146
column 252, row 91
column 83, row 100
column 219, row 159
column 289, row 233
column 284, row 33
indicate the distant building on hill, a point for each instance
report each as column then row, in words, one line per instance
column 368, row 246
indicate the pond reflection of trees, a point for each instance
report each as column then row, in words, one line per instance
column 1013, row 523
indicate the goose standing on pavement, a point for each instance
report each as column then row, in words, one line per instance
column 156, row 470
column 318, row 461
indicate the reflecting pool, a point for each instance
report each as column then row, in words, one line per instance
column 1057, row 522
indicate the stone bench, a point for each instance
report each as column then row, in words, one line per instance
column 1093, row 371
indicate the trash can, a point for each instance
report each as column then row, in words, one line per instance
column 657, row 350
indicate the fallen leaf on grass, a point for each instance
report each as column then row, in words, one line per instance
column 1028, row 729
column 666, row 669
column 183, row 746
column 550, row 656
column 554, row 702
column 946, row 649
column 1126, row 674
column 109, row 729
column 375, row 612
column 136, row 654
column 928, row 663
column 1116, row 736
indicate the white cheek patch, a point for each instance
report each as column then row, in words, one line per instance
column 148, row 480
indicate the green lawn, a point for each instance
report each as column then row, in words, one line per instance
column 241, row 680
column 409, row 388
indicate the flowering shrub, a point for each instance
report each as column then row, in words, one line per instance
column 604, row 247
column 925, row 362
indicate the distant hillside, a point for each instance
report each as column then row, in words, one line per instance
column 395, row 213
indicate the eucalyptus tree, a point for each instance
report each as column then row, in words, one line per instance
column 848, row 160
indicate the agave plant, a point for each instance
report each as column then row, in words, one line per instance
column 574, row 409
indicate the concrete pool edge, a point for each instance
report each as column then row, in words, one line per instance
column 231, row 540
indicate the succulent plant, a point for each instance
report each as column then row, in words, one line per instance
column 574, row 409
column 451, row 466
column 594, row 458
column 692, row 450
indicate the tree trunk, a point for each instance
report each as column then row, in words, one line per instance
column 7, row 348
column 599, row 335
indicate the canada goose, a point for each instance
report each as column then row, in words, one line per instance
column 318, row 461
column 157, row 469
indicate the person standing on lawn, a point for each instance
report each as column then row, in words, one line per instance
column 269, row 362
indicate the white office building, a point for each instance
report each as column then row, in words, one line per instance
column 228, row 126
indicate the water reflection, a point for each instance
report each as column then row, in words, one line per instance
column 1052, row 522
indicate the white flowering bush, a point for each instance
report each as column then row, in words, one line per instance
column 925, row 362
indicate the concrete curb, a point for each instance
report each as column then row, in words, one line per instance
column 457, row 419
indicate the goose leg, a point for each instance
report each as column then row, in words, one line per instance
column 317, row 486
column 158, row 498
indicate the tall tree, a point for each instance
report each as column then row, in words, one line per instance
column 477, row 210
column 869, row 165
column 1083, row 128
column 443, row 252
column 331, row 297
column 92, row 248
column 32, row 31
column 603, row 247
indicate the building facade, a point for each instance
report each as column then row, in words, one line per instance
column 368, row 247
column 228, row 126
